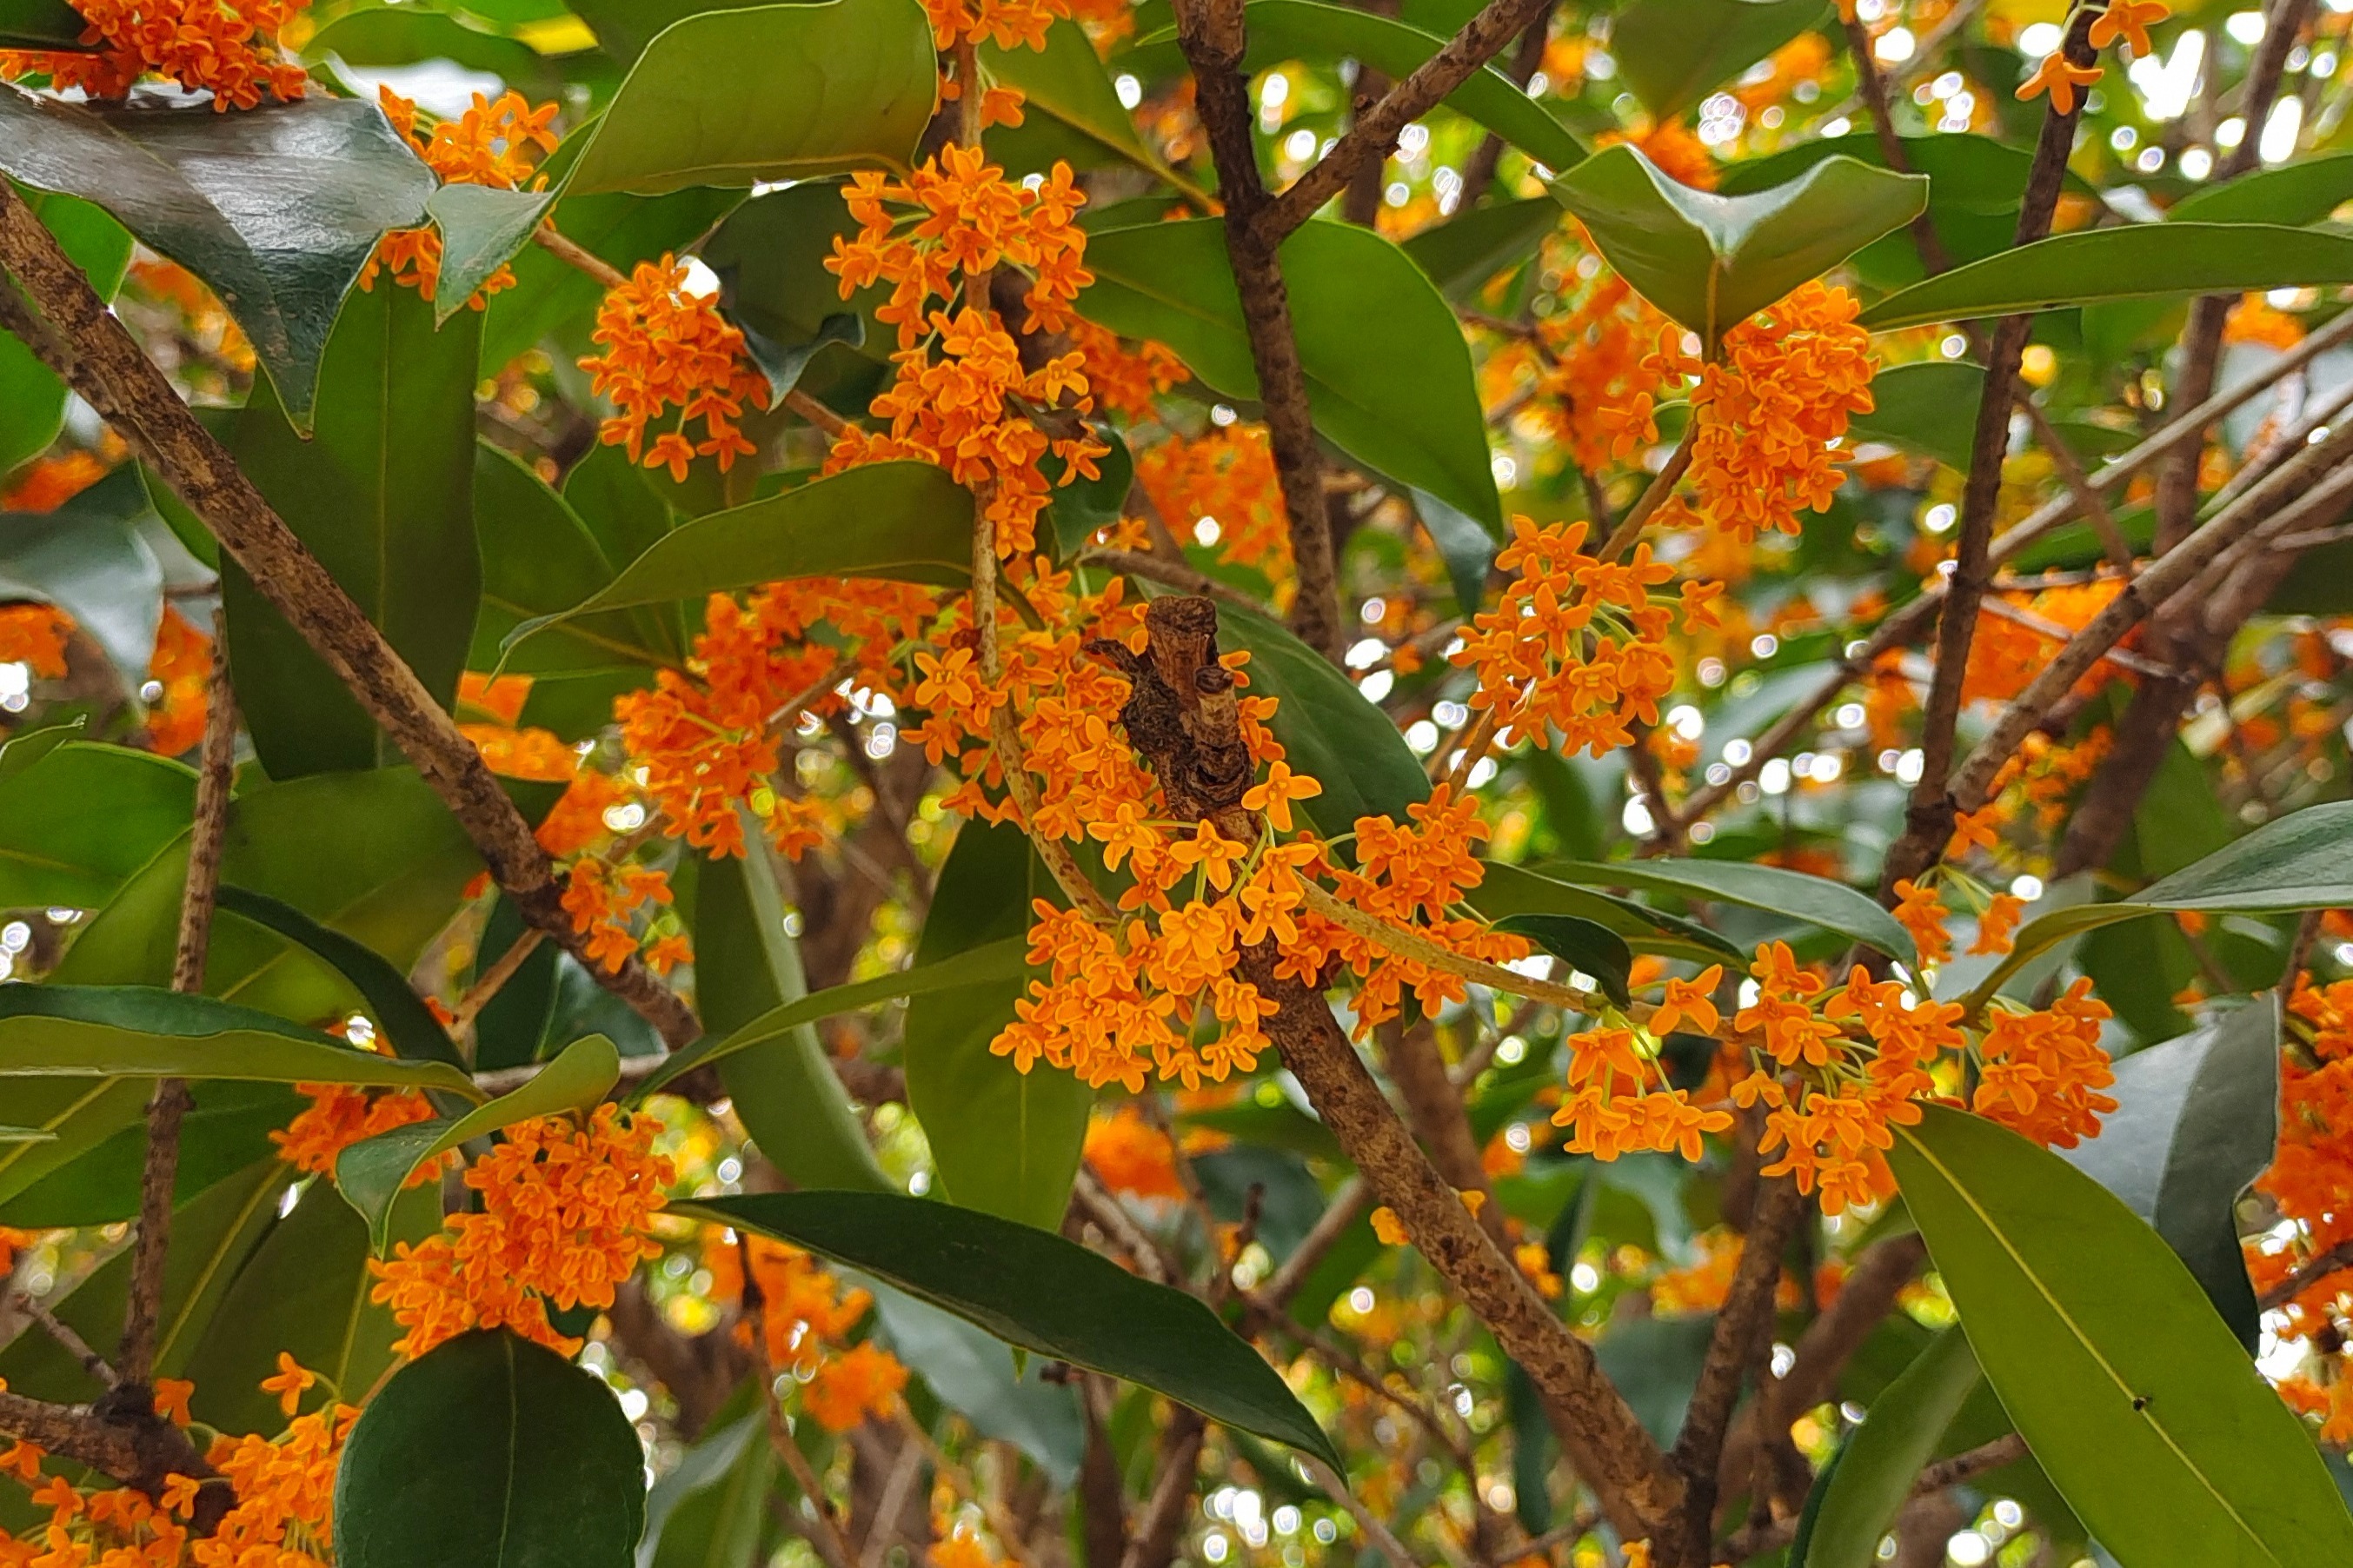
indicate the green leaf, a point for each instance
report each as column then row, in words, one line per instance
column 2196, row 1120
column 1712, row 262
column 482, row 228
column 1589, row 945
column 1065, row 84
column 303, row 1290
column 553, row 298
column 410, row 34
column 212, row 1236
column 88, row 558
column 2293, row 193
column 1929, row 407
column 769, row 256
column 539, row 559
column 33, row 401
column 2132, row 1393
column 1282, row 30
column 1674, row 53
column 1463, row 543
column 974, row 966
column 372, row 1173
column 780, row 92
column 40, row 24
column 746, row 966
column 1655, row 1363
column 141, row 1031
column 1855, row 1501
column 1034, row 1289
column 1816, row 900
column 77, row 822
column 1466, row 251
column 1329, row 730
column 2138, row 261
column 969, row 1371
column 225, row 1128
column 1506, row 890
column 1401, row 401
column 1083, row 506
column 384, row 497
column 491, row 1452
column 408, row 1024
column 1004, row 1140
column 709, row 1510
column 183, row 181
column 907, row 522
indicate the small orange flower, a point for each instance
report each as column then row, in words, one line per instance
column 2060, row 78
column 666, row 348
column 289, row 1383
column 862, row 1381
column 1389, row 1229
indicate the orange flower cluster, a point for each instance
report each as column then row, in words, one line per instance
column 228, row 48
column 1124, row 380
column 1920, row 911
column 2042, row 1072
column 1606, row 360
column 1130, row 1155
column 2019, row 632
column 1772, row 410
column 35, row 635
column 2311, row 1178
column 602, row 901
column 805, row 1319
column 283, row 1516
column 1007, row 23
column 1225, row 476
column 489, row 144
column 862, row 1381
column 1575, row 642
column 341, row 1115
column 961, row 397
column 48, row 483
column 562, row 1216
column 665, row 347
column 183, row 664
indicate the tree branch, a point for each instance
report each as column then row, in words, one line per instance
column 93, row 353
column 1732, row 1347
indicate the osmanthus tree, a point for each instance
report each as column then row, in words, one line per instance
column 1548, row 785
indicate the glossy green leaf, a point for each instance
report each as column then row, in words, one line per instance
column 1855, row 1502
column 974, row 966
column 405, row 35
column 33, row 401
column 304, row 1291
column 491, row 1452
column 182, row 180
column 2138, row 261
column 407, row 1024
column 770, row 258
column 1004, row 1140
column 554, row 299
column 40, row 24
column 1401, row 400
column 225, row 1128
column 482, row 228
column 1032, row 1288
column 1930, row 407
column 212, row 1236
column 2196, row 1120
column 907, row 522
column 1833, row 905
column 1065, row 84
column 748, row 965
column 1655, row 1363
column 780, row 92
column 1588, row 945
column 2131, row 1391
column 1712, row 262
column 1329, row 730
column 371, row 1173
column 141, row 1031
column 1466, row 251
column 540, row 558
column 88, row 558
column 2294, row 194
column 1504, row 891
column 1674, row 53
column 967, row 1368
column 382, row 495
column 78, row 821
column 709, row 1510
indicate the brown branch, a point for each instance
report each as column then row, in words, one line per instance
column 2311, row 1272
column 1933, row 1478
column 166, row 1107
column 1350, row 1203
column 574, row 255
column 2088, row 497
column 1479, row 169
column 63, row 1332
column 1374, row 134
column 1872, row 87
column 1179, row 574
column 93, row 353
column 1929, row 820
column 1212, row 34
column 1162, row 1524
column 1742, row 1329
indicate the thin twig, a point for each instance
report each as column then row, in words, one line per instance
column 1179, row 574
column 1662, row 484
column 1351, row 1203
column 1382, row 1540
column 491, row 981
column 63, row 1332
column 2311, row 1272
column 573, row 254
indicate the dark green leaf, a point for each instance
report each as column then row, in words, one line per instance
column 1506, row 890
column 1463, row 543
column 88, row 558
column 1004, row 1140
column 971, row 1373
column 1855, row 1500
column 32, row 401
column 780, row 92
column 408, row 1024
column 1674, row 53
column 491, row 1452
column 371, row 1173
column 40, row 24
column 2138, row 261
column 1587, row 944
column 769, row 256
column 75, row 824
column 2132, row 1393
column 1327, row 728
column 906, row 521
column 1655, row 1364
column 746, row 966
column 710, row 1511
column 1032, row 1288
column 1713, row 261
column 482, row 228
column 540, row 558
column 407, row 35
column 1085, row 505
column 1400, row 401
column 183, row 181
column 2293, row 193
column 1462, row 253
column 226, row 1130
column 141, row 1031
column 384, row 497
column 2197, row 1119
column 1929, row 407
column 1065, row 83
column 1818, row 900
